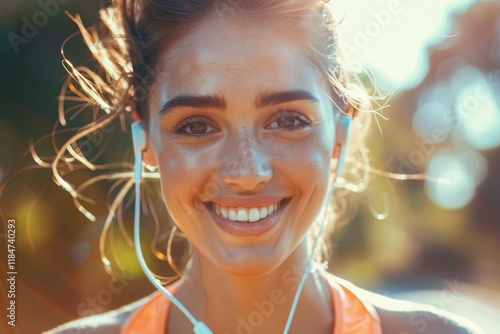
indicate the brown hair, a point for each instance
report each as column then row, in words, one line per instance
column 132, row 35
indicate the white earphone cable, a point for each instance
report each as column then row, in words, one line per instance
column 344, row 129
column 306, row 272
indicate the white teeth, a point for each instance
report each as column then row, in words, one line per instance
column 245, row 214
column 232, row 215
column 254, row 215
column 263, row 212
column 242, row 215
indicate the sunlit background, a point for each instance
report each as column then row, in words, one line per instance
column 441, row 235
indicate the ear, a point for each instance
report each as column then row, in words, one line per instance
column 148, row 154
column 148, row 157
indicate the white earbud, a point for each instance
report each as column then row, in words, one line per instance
column 139, row 144
column 343, row 130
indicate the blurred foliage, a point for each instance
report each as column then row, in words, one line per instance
column 61, row 277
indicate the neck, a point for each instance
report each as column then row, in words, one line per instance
column 260, row 304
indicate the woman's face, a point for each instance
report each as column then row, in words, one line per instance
column 242, row 130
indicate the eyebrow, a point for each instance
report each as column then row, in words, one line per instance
column 271, row 98
column 218, row 102
column 192, row 101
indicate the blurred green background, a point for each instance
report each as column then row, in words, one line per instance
column 444, row 119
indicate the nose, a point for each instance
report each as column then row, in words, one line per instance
column 246, row 164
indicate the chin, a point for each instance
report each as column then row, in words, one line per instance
column 248, row 266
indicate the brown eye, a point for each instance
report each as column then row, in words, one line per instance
column 285, row 122
column 198, row 128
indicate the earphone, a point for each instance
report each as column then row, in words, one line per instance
column 139, row 144
column 343, row 131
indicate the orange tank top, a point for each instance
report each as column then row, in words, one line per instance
column 352, row 314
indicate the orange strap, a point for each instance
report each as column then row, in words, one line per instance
column 352, row 315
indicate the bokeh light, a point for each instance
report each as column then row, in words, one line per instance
column 466, row 106
column 478, row 107
column 463, row 171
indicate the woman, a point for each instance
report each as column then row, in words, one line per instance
column 245, row 110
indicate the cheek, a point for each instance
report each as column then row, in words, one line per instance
column 311, row 171
column 186, row 176
column 314, row 175
column 312, row 159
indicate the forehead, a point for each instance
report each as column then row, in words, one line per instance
column 219, row 53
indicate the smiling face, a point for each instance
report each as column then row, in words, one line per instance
column 242, row 130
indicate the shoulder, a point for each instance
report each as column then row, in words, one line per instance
column 109, row 322
column 398, row 316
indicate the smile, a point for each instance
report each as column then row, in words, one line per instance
column 247, row 217
column 240, row 214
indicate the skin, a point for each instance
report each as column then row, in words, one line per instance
column 245, row 152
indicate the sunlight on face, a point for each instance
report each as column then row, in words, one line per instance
column 243, row 135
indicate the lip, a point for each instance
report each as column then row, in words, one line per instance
column 245, row 229
column 247, row 202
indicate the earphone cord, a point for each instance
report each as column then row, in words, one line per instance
column 199, row 326
column 308, row 269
